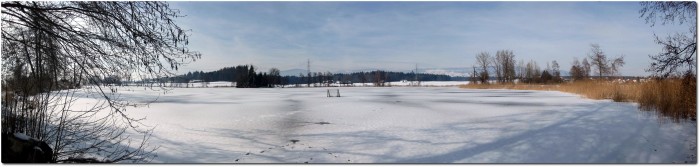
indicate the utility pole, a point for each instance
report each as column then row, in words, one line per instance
column 308, row 72
column 416, row 75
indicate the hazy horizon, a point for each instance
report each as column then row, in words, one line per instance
column 350, row 36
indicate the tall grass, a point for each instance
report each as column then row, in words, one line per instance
column 673, row 98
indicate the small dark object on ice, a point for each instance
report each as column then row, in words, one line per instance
column 322, row 123
column 262, row 151
column 294, row 141
column 306, row 162
column 247, row 153
column 236, row 160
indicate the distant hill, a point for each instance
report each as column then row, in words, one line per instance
column 428, row 74
column 292, row 72
column 466, row 72
column 451, row 71
column 296, row 71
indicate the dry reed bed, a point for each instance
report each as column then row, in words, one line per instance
column 672, row 98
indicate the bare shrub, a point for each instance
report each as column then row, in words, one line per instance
column 55, row 53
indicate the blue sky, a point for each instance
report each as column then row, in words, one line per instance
column 346, row 36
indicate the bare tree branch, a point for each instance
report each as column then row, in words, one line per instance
column 678, row 51
column 52, row 48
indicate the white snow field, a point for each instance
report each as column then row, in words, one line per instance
column 405, row 125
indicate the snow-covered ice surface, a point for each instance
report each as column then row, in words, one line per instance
column 405, row 125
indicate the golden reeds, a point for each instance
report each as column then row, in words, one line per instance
column 673, row 98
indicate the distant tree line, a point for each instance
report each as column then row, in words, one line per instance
column 246, row 76
column 377, row 78
column 505, row 69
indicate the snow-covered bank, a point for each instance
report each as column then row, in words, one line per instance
column 405, row 125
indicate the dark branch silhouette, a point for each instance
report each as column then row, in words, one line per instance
column 57, row 52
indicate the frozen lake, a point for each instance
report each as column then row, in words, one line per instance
column 405, row 125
